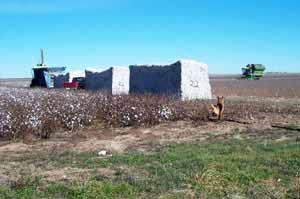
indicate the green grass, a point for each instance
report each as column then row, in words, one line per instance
column 213, row 170
column 91, row 189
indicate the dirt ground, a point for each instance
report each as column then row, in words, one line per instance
column 274, row 86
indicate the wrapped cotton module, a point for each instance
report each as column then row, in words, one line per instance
column 114, row 80
column 186, row 79
column 59, row 81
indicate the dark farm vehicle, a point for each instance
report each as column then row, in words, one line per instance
column 253, row 71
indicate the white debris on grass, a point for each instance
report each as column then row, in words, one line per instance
column 102, row 153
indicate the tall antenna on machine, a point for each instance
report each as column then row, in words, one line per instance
column 42, row 57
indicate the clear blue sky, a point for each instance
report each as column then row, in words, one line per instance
column 225, row 34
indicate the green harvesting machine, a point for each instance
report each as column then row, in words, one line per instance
column 253, row 71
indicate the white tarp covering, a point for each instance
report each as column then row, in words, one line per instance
column 75, row 74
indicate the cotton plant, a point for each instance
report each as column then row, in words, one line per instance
column 42, row 112
column 25, row 110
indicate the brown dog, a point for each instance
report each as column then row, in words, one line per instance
column 219, row 108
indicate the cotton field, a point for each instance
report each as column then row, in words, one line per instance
column 42, row 112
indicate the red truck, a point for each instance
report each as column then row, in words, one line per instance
column 71, row 85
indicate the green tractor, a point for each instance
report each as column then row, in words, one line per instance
column 253, row 71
